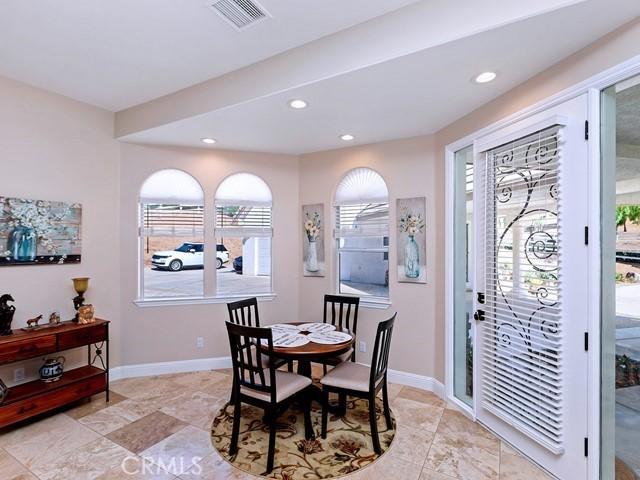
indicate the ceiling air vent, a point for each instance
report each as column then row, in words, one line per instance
column 240, row 13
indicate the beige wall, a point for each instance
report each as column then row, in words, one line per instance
column 54, row 148
column 168, row 333
column 408, row 167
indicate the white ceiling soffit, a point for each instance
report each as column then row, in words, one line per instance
column 417, row 27
column 120, row 53
column 410, row 95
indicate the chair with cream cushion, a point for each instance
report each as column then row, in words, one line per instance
column 261, row 386
column 349, row 378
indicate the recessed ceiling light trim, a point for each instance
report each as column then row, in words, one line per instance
column 347, row 137
column 298, row 104
column 208, row 140
column 485, row 77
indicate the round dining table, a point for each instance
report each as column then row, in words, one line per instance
column 313, row 352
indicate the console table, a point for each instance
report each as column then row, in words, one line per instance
column 32, row 398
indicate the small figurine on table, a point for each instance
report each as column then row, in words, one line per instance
column 54, row 319
column 6, row 314
column 33, row 322
column 86, row 314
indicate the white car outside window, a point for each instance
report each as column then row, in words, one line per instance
column 187, row 255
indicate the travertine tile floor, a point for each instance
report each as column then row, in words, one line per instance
column 154, row 426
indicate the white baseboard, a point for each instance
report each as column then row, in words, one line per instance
column 163, row 368
column 182, row 366
column 418, row 381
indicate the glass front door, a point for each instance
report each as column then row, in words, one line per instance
column 621, row 281
column 463, row 277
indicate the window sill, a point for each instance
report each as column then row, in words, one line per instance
column 377, row 303
column 161, row 302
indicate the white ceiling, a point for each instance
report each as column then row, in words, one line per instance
column 410, row 95
column 119, row 53
column 378, row 69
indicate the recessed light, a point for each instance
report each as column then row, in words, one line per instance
column 485, row 77
column 298, row 104
column 347, row 137
column 210, row 141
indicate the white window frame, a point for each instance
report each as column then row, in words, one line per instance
column 157, row 196
column 263, row 200
column 360, row 199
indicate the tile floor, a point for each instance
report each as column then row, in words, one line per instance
column 154, row 426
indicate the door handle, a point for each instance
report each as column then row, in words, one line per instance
column 479, row 315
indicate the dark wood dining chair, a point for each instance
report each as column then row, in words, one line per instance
column 341, row 311
column 245, row 313
column 357, row 380
column 263, row 387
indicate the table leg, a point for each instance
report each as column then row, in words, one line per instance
column 304, row 368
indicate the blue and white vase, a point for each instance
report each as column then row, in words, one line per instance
column 411, row 258
column 22, row 244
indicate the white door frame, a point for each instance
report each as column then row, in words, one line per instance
column 593, row 87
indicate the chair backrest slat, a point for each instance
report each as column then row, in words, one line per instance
column 382, row 346
column 246, row 357
column 244, row 312
column 344, row 317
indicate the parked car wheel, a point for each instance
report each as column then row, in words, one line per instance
column 175, row 265
column 218, row 263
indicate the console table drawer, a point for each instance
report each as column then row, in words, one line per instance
column 27, row 348
column 26, row 408
column 82, row 337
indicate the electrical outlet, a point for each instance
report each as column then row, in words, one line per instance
column 362, row 346
column 18, row 374
column 199, row 342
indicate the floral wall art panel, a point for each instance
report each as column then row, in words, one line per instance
column 412, row 243
column 39, row 232
column 313, row 240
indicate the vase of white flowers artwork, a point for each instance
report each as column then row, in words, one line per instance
column 411, row 224
column 39, row 231
column 312, row 230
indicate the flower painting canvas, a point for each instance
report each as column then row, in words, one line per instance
column 313, row 240
column 39, row 232
column 412, row 243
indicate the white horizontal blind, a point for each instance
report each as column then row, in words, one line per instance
column 172, row 220
column 243, row 221
column 523, row 331
column 362, row 220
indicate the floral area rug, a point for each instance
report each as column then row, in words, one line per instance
column 347, row 448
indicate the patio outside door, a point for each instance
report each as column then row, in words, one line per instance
column 531, row 281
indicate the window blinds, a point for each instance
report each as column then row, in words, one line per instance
column 172, row 220
column 523, row 329
column 243, row 221
column 362, row 220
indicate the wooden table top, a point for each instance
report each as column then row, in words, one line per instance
column 63, row 327
column 311, row 349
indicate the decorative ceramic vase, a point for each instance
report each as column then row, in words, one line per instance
column 4, row 391
column 411, row 258
column 22, row 244
column 52, row 369
column 312, row 257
